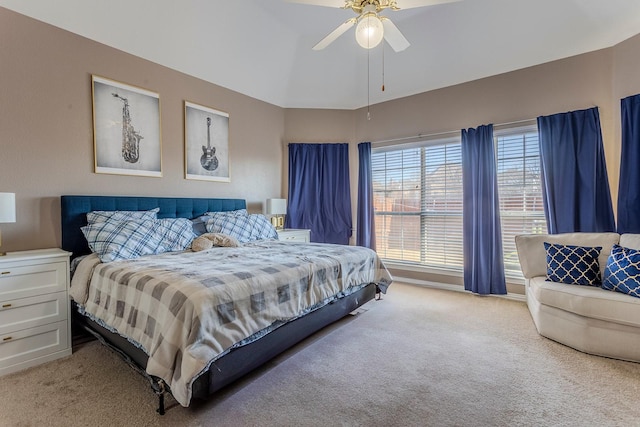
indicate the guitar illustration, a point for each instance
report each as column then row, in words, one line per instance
column 208, row 160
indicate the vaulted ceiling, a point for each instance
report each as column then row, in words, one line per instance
column 262, row 48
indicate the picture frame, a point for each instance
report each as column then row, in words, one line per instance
column 206, row 143
column 127, row 136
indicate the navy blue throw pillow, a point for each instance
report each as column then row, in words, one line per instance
column 574, row 265
column 622, row 273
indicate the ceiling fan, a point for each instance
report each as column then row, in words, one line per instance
column 371, row 27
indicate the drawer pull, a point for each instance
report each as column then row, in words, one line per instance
column 6, row 305
column 6, row 272
column 6, row 338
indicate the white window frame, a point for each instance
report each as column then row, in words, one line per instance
column 453, row 138
column 508, row 238
column 499, row 131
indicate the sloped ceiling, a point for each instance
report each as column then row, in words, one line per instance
column 262, row 48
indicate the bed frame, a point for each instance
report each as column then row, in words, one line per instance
column 238, row 361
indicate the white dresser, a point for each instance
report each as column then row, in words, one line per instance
column 35, row 324
column 294, row 235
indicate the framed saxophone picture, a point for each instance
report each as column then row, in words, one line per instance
column 206, row 143
column 126, row 129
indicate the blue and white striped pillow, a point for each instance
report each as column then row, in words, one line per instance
column 104, row 216
column 115, row 240
column 243, row 228
column 262, row 228
column 235, row 213
column 200, row 223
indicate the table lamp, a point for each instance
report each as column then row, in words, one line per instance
column 277, row 208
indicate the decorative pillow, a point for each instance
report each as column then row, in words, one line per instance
column 237, row 212
column 113, row 240
column 176, row 234
column 209, row 240
column 199, row 224
column 243, row 228
column 104, row 216
column 622, row 272
column 262, row 228
column 574, row 265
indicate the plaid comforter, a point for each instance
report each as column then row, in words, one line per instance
column 186, row 309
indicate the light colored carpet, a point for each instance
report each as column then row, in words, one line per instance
column 419, row 357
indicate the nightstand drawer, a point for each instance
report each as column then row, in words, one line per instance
column 294, row 235
column 25, row 281
column 23, row 348
column 29, row 312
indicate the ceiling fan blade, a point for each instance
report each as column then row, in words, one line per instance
column 410, row 4
column 335, row 34
column 327, row 3
column 393, row 36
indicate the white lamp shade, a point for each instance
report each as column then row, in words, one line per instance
column 7, row 207
column 276, row 206
column 369, row 31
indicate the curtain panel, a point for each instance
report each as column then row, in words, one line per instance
column 366, row 229
column 319, row 191
column 629, row 184
column 575, row 186
column 482, row 235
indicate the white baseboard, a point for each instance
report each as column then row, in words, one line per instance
column 450, row 287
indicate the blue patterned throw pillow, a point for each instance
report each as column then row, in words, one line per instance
column 94, row 217
column 262, row 228
column 574, row 265
column 244, row 228
column 622, row 273
column 115, row 240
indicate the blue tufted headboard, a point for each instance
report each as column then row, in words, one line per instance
column 75, row 208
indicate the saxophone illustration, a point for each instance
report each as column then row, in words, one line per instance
column 130, row 138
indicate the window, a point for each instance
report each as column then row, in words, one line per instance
column 519, row 190
column 418, row 203
column 418, row 199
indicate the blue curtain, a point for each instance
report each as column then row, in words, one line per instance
column 366, row 231
column 575, row 187
column 482, row 235
column 319, row 191
column 629, row 185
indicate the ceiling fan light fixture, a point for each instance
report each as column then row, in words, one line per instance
column 369, row 31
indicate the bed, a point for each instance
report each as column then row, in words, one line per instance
column 194, row 364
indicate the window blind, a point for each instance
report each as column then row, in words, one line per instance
column 418, row 198
column 418, row 204
column 520, row 191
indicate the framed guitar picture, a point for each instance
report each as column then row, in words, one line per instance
column 206, row 143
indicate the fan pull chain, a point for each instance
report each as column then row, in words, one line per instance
column 368, row 86
column 383, row 67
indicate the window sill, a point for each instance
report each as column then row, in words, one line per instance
column 510, row 277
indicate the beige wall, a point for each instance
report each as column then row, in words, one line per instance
column 46, row 132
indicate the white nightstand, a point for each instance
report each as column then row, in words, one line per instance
column 294, row 235
column 35, row 325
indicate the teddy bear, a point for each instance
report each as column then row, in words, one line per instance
column 209, row 240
